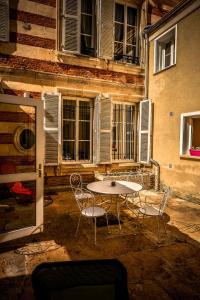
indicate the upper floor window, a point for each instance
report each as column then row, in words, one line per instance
column 123, row 132
column 78, row 32
column 125, row 44
column 77, row 130
column 165, row 50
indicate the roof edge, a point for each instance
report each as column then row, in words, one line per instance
column 172, row 13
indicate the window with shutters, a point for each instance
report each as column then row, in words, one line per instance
column 79, row 27
column 126, row 33
column 77, row 130
column 4, row 20
column 165, row 50
column 190, row 134
column 123, row 132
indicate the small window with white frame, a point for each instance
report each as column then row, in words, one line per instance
column 165, row 50
column 77, row 130
column 190, row 134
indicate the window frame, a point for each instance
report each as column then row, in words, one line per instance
column 77, row 100
column 124, row 132
column 63, row 17
column 157, row 56
column 182, row 122
column 126, row 5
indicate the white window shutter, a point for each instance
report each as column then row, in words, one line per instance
column 105, row 129
column 71, row 26
column 107, row 30
column 96, row 124
column 52, row 127
column 4, row 20
column 145, row 131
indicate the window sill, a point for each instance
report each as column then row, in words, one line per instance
column 160, row 71
column 189, row 157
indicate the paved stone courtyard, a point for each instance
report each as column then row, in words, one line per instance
column 169, row 269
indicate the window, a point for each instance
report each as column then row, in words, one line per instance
column 125, row 45
column 77, row 130
column 165, row 50
column 79, row 26
column 4, row 17
column 190, row 134
column 123, row 132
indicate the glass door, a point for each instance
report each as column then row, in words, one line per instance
column 21, row 167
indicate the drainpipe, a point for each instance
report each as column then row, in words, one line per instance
column 156, row 173
column 146, row 95
column 146, row 80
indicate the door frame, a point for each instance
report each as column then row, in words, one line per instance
column 37, row 176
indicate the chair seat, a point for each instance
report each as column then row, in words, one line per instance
column 93, row 211
column 83, row 196
column 149, row 210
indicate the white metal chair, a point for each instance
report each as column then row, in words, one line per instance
column 151, row 210
column 88, row 208
column 76, row 183
column 133, row 201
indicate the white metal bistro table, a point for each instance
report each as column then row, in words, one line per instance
column 120, row 188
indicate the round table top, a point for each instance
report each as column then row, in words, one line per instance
column 120, row 187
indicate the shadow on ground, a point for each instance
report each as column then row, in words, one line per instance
column 169, row 269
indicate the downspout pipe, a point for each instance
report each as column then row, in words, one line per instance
column 156, row 174
column 146, row 79
column 146, row 95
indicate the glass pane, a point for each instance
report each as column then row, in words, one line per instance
column 69, row 150
column 84, row 130
column 68, row 130
column 129, row 131
column 119, row 49
column 131, row 35
column 17, row 205
column 84, row 110
column 119, row 32
column 132, row 16
column 17, row 138
column 84, row 150
column 131, row 51
column 86, row 44
column 86, row 24
column 86, row 6
column 69, row 109
column 119, row 13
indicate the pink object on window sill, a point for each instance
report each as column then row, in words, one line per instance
column 194, row 152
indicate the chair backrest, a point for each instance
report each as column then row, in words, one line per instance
column 75, row 181
column 164, row 200
column 84, row 198
column 86, row 280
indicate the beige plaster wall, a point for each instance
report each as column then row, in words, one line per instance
column 177, row 90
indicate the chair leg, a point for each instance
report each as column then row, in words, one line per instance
column 95, row 228
column 107, row 221
column 118, row 214
column 77, row 228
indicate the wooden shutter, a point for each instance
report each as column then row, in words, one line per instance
column 96, row 127
column 52, row 117
column 71, row 26
column 4, row 20
column 145, row 131
column 105, row 129
column 107, row 29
